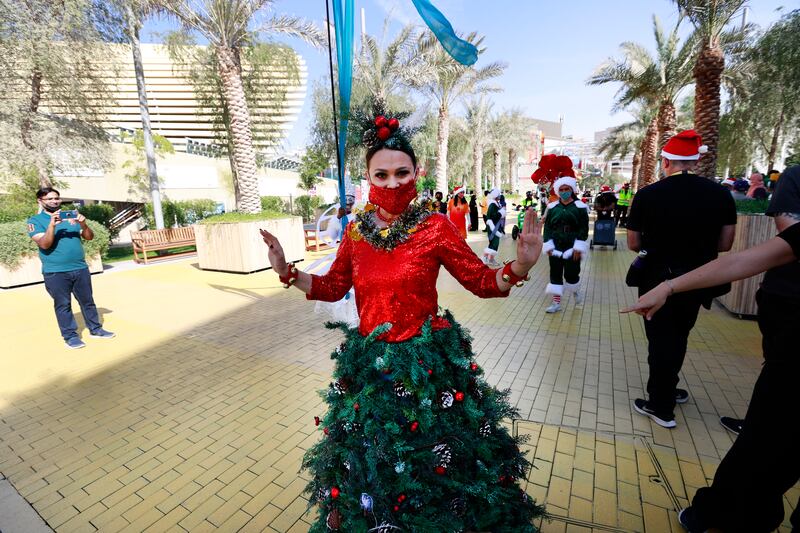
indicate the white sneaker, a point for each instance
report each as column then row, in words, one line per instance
column 554, row 308
column 578, row 299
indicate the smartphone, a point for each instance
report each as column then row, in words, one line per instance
column 68, row 214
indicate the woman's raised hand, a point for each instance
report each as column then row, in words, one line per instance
column 276, row 257
column 529, row 244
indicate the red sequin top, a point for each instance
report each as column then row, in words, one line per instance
column 400, row 286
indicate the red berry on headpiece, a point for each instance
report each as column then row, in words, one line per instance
column 381, row 121
column 384, row 133
column 394, row 124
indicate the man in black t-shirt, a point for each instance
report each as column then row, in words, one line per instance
column 682, row 221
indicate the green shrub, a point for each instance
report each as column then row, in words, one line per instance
column 234, row 216
column 181, row 212
column 306, row 205
column 275, row 204
column 102, row 213
column 14, row 208
column 752, row 206
column 15, row 245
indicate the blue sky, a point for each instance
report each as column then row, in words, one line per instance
column 550, row 48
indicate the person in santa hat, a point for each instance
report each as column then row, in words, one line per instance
column 566, row 228
column 678, row 236
column 605, row 203
column 493, row 217
column 458, row 210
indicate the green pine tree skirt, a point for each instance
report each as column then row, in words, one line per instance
column 413, row 441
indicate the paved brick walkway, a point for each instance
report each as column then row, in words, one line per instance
column 196, row 416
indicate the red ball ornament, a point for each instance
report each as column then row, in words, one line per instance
column 356, row 407
column 401, row 498
column 325, row 430
column 414, row 426
column 459, row 396
column 430, row 371
column 396, row 508
column 335, row 492
column 387, row 371
column 381, row 121
column 440, row 470
column 384, row 133
column 419, row 361
column 394, row 124
column 316, row 420
column 473, row 367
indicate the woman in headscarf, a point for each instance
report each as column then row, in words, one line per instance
column 757, row 189
column 473, row 213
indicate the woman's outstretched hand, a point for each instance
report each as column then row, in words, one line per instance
column 276, row 257
column 529, row 244
column 650, row 302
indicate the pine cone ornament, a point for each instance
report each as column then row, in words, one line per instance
column 339, row 387
column 458, row 506
column 385, row 527
column 443, row 454
column 334, row 520
column 447, row 399
column 486, row 429
column 400, row 390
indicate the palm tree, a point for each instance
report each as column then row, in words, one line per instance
column 511, row 135
column 709, row 18
column 479, row 125
column 629, row 137
column 383, row 70
column 656, row 80
column 441, row 78
column 227, row 25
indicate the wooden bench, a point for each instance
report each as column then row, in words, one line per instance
column 161, row 239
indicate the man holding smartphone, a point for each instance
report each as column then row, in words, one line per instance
column 58, row 235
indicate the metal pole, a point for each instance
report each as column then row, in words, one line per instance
column 333, row 102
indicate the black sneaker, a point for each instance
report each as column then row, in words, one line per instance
column 681, row 395
column 688, row 521
column 734, row 425
column 643, row 407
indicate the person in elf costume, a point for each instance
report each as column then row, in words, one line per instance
column 494, row 217
column 412, row 439
column 566, row 228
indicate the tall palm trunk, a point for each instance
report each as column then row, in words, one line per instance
column 498, row 165
column 442, row 137
column 707, row 74
column 248, row 200
column 477, row 166
column 26, row 128
column 773, row 147
column 650, row 157
column 636, row 165
column 144, row 110
column 667, row 124
column 513, row 171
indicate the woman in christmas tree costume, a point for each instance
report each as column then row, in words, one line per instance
column 412, row 437
column 566, row 228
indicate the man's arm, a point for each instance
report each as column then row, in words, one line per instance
column 726, row 238
column 45, row 240
column 86, row 232
column 634, row 241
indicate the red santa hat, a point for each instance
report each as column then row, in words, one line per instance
column 685, row 146
column 459, row 189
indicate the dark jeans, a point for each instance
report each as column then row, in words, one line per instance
column 621, row 214
column 667, row 337
column 562, row 270
column 764, row 461
column 61, row 286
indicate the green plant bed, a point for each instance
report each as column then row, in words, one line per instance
column 233, row 217
column 16, row 245
column 752, row 207
column 125, row 253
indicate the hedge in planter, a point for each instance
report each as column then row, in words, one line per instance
column 15, row 245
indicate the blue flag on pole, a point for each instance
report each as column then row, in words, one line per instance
column 343, row 24
column 462, row 51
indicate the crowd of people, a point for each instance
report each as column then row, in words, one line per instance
column 409, row 411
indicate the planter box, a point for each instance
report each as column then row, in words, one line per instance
column 751, row 230
column 30, row 271
column 238, row 246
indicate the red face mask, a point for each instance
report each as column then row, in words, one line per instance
column 393, row 201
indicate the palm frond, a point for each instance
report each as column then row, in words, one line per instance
column 295, row 27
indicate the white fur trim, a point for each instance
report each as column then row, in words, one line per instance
column 556, row 253
column 552, row 204
column 548, row 246
column 582, row 205
column 566, row 254
column 572, row 287
column 493, row 194
column 703, row 149
column 490, row 224
column 489, row 251
column 566, row 180
column 555, row 290
column 673, row 157
column 581, row 246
